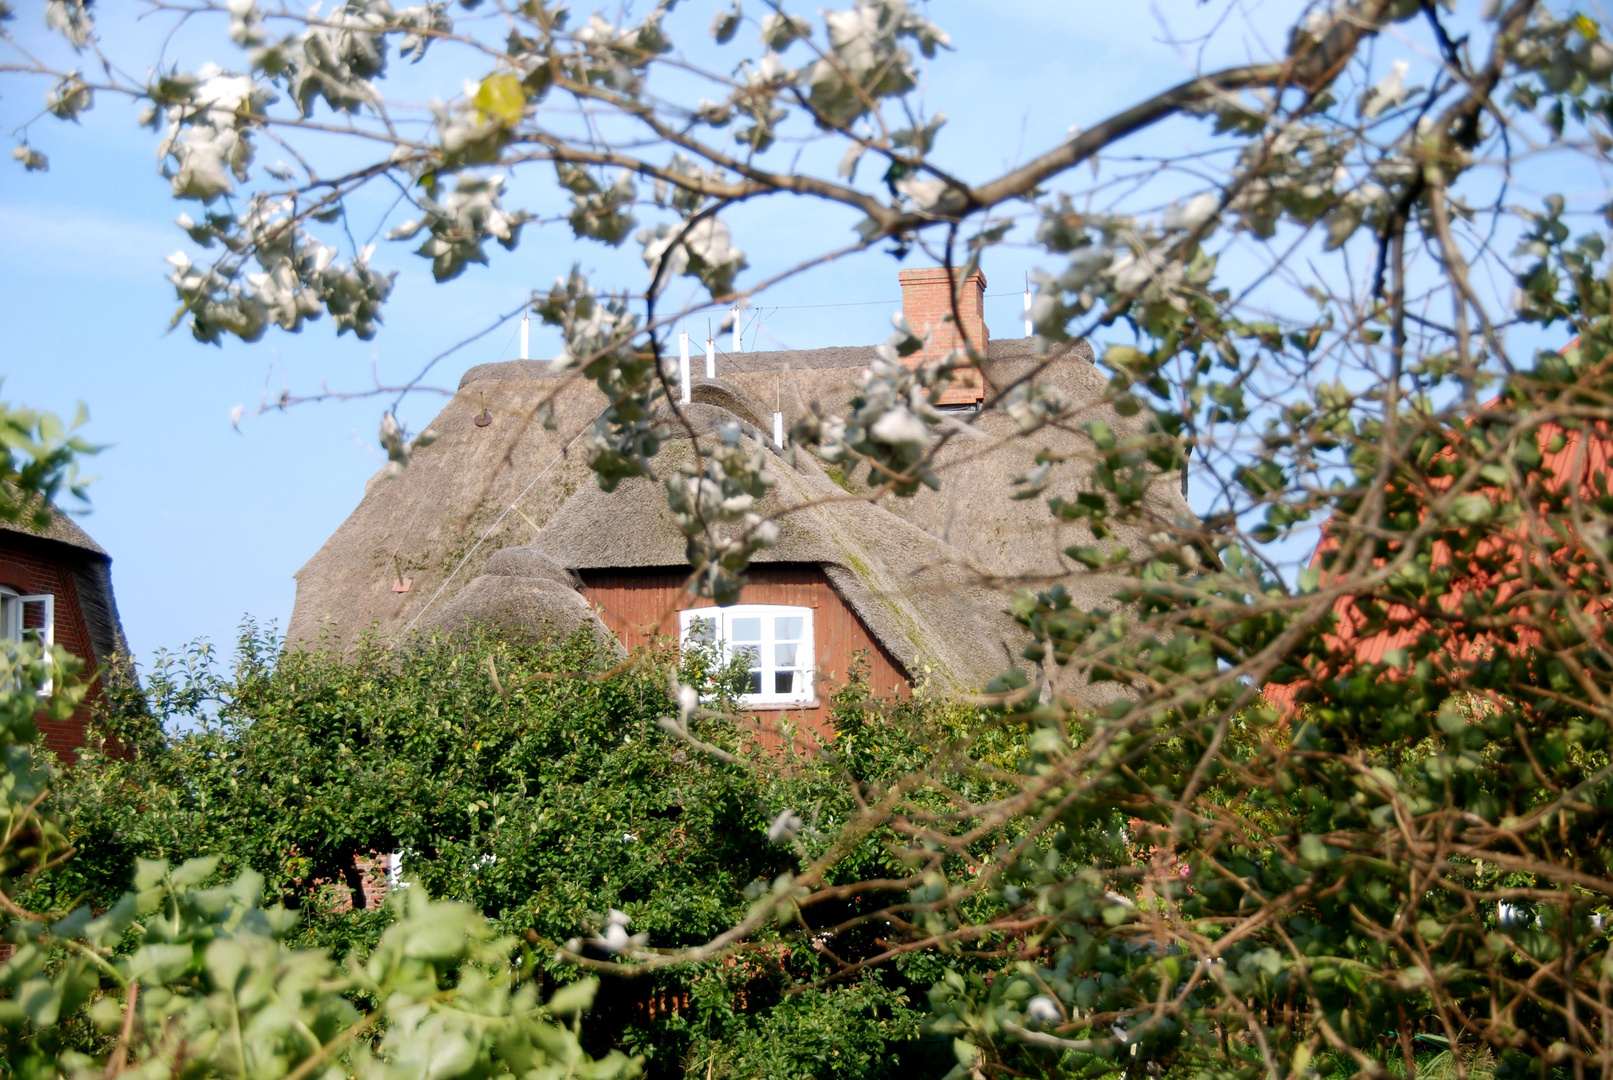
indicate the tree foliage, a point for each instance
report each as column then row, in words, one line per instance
column 178, row 979
column 39, row 457
column 519, row 780
column 1336, row 807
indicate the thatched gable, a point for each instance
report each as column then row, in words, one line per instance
column 64, row 542
column 930, row 576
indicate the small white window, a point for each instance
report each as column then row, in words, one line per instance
column 775, row 641
column 29, row 618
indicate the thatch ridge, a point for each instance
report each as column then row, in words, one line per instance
column 838, row 357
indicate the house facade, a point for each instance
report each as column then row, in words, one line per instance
column 56, row 588
column 501, row 521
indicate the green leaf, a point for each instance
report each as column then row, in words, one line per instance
column 1499, row 475
column 501, row 98
column 1123, row 357
column 159, row 963
column 1090, row 557
column 574, row 997
column 1471, row 509
column 194, row 871
column 41, row 1000
column 149, row 873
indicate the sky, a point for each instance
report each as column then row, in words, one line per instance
column 207, row 524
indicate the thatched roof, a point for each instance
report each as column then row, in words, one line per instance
column 91, row 567
column 907, row 587
column 525, row 593
column 931, row 576
column 61, row 529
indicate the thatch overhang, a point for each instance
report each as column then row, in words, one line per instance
column 911, row 591
column 931, row 576
column 59, row 529
column 65, row 543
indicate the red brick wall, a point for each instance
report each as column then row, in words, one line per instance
column 31, row 567
column 639, row 605
column 927, row 305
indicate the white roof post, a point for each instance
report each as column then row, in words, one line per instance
column 711, row 359
column 683, row 367
column 739, row 344
column 1030, row 331
column 526, row 337
column 778, row 428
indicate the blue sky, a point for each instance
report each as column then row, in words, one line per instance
column 206, row 524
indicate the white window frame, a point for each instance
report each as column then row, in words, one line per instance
column 805, row 691
column 13, row 617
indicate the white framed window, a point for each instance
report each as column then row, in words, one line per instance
column 29, row 618
column 774, row 639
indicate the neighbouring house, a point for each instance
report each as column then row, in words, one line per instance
column 1580, row 465
column 56, row 588
column 501, row 521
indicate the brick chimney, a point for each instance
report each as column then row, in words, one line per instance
column 927, row 304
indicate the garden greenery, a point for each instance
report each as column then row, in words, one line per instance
column 519, row 780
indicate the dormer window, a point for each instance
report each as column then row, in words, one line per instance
column 774, row 641
column 28, row 618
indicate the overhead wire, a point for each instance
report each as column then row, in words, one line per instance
column 854, row 303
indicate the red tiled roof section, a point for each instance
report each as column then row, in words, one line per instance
column 1583, row 462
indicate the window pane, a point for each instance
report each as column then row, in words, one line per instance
column 787, row 628
column 784, row 682
column 784, row 655
column 701, row 631
column 750, row 654
column 753, row 683
column 747, row 629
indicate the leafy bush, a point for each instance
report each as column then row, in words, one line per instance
column 177, row 980
column 522, row 780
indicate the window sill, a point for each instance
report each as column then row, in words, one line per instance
column 779, row 706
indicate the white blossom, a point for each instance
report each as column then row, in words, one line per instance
column 1389, row 91
column 615, row 938
column 1042, row 1009
column 899, row 427
column 31, row 159
column 785, row 827
column 1199, row 209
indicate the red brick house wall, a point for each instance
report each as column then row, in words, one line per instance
column 640, row 605
column 32, row 565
